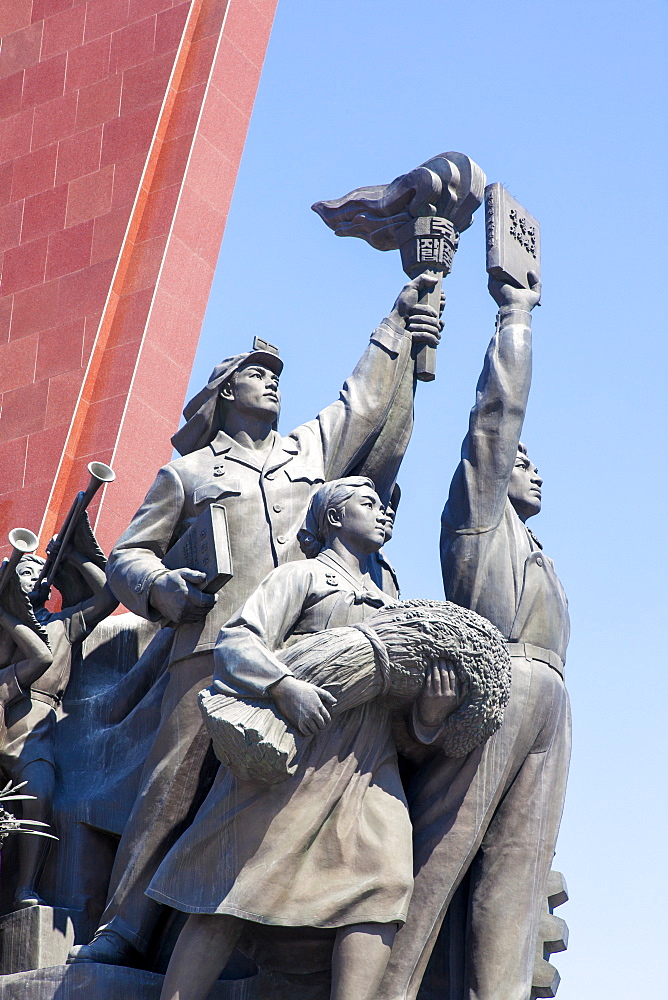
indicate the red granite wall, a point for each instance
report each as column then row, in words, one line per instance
column 122, row 123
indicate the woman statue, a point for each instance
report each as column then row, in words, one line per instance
column 329, row 847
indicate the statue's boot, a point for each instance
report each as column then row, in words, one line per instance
column 27, row 897
column 107, row 947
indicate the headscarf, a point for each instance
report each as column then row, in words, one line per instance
column 18, row 603
column 30, row 558
column 202, row 412
column 313, row 535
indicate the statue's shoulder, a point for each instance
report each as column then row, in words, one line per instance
column 304, row 437
column 191, row 466
column 299, row 575
column 297, row 569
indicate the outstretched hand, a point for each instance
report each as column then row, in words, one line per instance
column 422, row 321
column 505, row 294
column 304, row 705
column 441, row 694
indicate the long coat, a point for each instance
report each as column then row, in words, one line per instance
column 330, row 845
column 364, row 432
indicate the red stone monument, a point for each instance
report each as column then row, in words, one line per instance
column 122, row 124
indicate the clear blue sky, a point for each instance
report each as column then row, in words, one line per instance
column 565, row 104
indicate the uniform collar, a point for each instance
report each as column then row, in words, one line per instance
column 533, row 537
column 362, row 591
column 221, row 443
column 282, row 451
column 330, row 559
column 383, row 560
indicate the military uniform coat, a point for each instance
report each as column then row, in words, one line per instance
column 364, row 432
column 266, row 502
column 331, row 845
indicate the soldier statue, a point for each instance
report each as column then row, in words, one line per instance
column 232, row 453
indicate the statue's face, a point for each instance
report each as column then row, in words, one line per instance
column 524, row 490
column 28, row 574
column 253, row 392
column 361, row 523
column 390, row 515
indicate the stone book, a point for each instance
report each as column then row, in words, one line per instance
column 205, row 546
column 513, row 238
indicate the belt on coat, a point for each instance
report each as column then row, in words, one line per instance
column 48, row 699
column 531, row 652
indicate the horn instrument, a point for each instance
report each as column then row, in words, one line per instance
column 22, row 540
column 100, row 474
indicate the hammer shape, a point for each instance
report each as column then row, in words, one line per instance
column 421, row 214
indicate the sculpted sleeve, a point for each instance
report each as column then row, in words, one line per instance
column 136, row 559
column 366, row 431
column 244, row 653
column 480, row 485
column 74, row 621
column 427, row 736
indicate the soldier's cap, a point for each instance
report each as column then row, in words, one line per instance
column 200, row 412
column 229, row 366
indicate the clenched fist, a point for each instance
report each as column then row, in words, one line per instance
column 422, row 321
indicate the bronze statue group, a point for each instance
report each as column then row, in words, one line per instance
column 350, row 860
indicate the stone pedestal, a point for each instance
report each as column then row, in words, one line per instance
column 35, row 938
column 109, row 982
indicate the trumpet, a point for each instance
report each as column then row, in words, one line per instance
column 100, row 474
column 22, row 540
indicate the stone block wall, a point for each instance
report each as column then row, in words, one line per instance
column 122, row 123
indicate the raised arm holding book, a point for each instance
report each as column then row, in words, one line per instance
column 493, row 816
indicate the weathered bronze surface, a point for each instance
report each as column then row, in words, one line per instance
column 379, row 816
